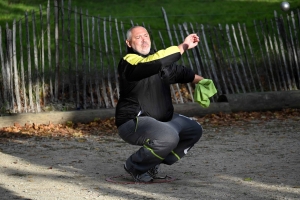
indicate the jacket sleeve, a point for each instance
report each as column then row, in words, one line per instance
column 178, row 74
column 138, row 67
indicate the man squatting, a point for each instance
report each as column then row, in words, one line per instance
column 145, row 113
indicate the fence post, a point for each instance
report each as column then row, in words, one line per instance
column 95, row 71
column 36, row 64
column 293, row 49
column 90, row 75
column 42, row 58
column 15, row 69
column 108, row 67
column 4, row 77
column 49, row 52
column 214, row 73
column 114, row 60
column 219, row 59
column 22, row 68
column 29, row 65
column 234, row 58
column 167, row 25
column 279, row 26
column 70, row 62
column 83, row 66
column 240, row 55
column 228, row 60
column 57, row 66
column 271, row 54
column 253, row 59
column 103, row 84
column 268, row 59
column 9, row 68
column 62, row 75
column 76, row 61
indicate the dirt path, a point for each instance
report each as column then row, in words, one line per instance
column 260, row 160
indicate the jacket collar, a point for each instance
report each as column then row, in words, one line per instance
column 131, row 50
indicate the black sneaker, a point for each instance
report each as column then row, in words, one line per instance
column 153, row 172
column 145, row 177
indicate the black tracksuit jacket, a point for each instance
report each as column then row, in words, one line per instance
column 145, row 84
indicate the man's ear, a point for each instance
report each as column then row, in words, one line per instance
column 128, row 43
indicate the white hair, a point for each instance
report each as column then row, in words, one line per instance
column 129, row 32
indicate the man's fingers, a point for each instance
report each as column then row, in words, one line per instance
column 194, row 38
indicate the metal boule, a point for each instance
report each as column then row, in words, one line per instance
column 285, row 6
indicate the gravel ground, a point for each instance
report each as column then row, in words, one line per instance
column 260, row 160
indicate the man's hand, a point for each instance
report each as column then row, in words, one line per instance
column 189, row 42
column 197, row 79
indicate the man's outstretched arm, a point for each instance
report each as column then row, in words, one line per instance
column 189, row 42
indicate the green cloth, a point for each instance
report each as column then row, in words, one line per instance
column 203, row 91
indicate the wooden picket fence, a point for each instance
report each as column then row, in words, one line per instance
column 68, row 59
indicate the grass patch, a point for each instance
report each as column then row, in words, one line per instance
column 212, row 12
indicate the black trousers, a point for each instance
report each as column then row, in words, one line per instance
column 161, row 142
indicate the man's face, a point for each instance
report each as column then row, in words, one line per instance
column 140, row 40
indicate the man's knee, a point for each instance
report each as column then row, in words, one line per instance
column 199, row 131
column 162, row 147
